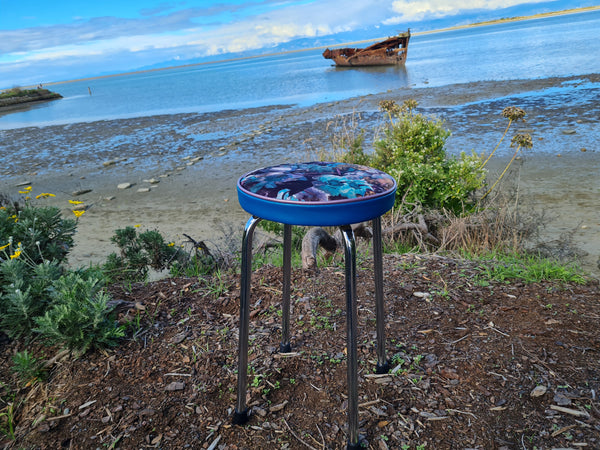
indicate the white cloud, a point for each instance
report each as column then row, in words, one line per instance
column 418, row 10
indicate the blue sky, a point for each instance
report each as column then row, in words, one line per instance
column 45, row 41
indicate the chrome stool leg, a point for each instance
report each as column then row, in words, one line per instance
column 241, row 414
column 382, row 363
column 285, row 346
column 351, row 331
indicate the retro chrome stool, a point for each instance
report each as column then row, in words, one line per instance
column 315, row 194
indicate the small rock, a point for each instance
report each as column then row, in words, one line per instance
column 538, row 391
column 179, row 338
column 561, row 400
column 175, row 386
column 80, row 192
column 569, row 131
column 279, row 407
column 124, row 185
column 109, row 163
column 23, row 183
column 259, row 411
column 143, row 190
column 152, row 181
column 424, row 295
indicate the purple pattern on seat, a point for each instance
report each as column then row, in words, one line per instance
column 316, row 182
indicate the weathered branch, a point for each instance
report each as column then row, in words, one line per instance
column 317, row 236
column 310, row 243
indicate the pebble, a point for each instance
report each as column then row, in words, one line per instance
column 142, row 190
column 80, row 192
column 569, row 131
column 124, row 185
column 175, row 386
column 152, row 181
column 109, row 163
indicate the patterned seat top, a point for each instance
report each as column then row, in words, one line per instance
column 317, row 182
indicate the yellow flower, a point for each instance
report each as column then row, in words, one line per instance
column 28, row 198
column 137, row 226
column 44, row 195
column 171, row 244
column 4, row 246
column 14, row 216
column 16, row 254
column 75, row 202
column 79, row 213
column 25, row 190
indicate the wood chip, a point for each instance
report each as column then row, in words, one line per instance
column 86, row 404
column 573, row 412
column 279, row 407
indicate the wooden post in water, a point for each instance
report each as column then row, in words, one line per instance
column 89, row 90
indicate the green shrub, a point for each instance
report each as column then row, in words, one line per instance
column 138, row 253
column 39, row 233
column 79, row 316
column 24, row 294
column 412, row 151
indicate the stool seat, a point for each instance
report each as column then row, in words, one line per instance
column 317, row 193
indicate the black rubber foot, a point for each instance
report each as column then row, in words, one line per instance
column 241, row 418
column 285, row 348
column 385, row 368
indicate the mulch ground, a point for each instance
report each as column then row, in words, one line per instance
column 476, row 364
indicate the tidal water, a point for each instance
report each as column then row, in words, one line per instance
column 539, row 48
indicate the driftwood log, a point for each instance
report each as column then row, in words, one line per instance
column 318, row 237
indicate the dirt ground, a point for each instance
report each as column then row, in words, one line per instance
column 476, row 364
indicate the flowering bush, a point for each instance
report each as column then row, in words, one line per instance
column 38, row 295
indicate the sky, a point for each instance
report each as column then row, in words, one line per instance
column 47, row 41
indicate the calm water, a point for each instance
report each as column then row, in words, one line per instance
column 557, row 46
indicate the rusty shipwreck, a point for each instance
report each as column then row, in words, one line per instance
column 392, row 51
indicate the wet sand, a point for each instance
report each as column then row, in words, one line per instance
column 197, row 158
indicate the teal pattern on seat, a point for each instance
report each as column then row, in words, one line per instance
column 316, row 182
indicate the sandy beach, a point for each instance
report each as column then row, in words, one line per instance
column 188, row 186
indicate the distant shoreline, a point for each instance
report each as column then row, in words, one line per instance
column 346, row 44
column 16, row 97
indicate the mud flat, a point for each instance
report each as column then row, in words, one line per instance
column 182, row 169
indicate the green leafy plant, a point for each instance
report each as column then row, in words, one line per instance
column 412, row 151
column 24, row 294
column 138, row 253
column 79, row 317
column 28, row 367
column 35, row 233
column 7, row 424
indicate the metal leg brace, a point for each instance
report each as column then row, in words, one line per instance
column 285, row 346
column 241, row 414
column 351, row 331
column 382, row 363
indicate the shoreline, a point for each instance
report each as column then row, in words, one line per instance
column 194, row 180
